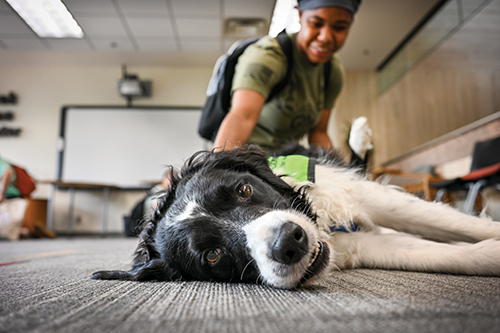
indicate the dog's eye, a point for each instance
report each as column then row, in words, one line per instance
column 244, row 191
column 212, row 256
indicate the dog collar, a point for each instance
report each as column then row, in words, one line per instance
column 352, row 228
column 299, row 167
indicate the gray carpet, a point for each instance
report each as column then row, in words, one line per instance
column 45, row 287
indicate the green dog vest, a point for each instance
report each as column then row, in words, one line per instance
column 299, row 167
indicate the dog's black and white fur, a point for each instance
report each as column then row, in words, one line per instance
column 228, row 217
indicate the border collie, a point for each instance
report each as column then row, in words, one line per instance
column 228, row 216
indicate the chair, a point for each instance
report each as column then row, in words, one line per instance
column 35, row 217
column 417, row 183
column 484, row 172
column 24, row 182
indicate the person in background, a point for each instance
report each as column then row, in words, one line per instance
column 8, row 188
column 304, row 106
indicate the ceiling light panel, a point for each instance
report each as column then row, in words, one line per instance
column 48, row 18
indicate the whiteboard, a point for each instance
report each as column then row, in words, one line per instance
column 125, row 147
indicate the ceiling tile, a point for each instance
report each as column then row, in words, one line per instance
column 67, row 44
column 157, row 45
column 196, row 7
column 23, row 43
column 13, row 24
column 4, row 6
column 245, row 8
column 102, row 26
column 201, row 46
column 90, row 6
column 113, row 44
column 150, row 27
column 139, row 7
column 199, row 28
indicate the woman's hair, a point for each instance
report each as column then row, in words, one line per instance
column 349, row 5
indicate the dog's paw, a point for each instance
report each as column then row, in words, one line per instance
column 111, row 275
column 360, row 138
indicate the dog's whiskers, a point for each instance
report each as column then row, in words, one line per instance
column 293, row 202
column 260, row 277
column 277, row 203
column 243, row 272
column 307, row 210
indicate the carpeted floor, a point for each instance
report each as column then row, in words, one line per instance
column 45, row 287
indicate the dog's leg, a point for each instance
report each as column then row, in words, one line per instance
column 405, row 252
column 341, row 197
column 391, row 208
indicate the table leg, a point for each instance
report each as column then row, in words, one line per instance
column 471, row 197
column 71, row 192
column 105, row 208
column 50, row 207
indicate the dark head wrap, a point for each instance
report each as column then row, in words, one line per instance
column 349, row 5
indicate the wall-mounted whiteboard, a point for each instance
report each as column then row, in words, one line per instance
column 125, row 147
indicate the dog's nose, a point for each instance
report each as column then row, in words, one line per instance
column 290, row 243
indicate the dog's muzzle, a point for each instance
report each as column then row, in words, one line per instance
column 287, row 248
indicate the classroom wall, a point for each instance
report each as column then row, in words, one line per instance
column 43, row 90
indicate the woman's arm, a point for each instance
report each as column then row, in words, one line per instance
column 238, row 125
column 318, row 136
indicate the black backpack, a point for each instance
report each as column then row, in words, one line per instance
column 218, row 99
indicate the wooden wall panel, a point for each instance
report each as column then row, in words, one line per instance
column 435, row 98
column 423, row 106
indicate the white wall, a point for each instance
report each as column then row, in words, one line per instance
column 43, row 90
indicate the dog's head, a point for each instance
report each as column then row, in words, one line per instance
column 228, row 217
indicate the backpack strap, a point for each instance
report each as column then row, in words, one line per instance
column 327, row 71
column 286, row 45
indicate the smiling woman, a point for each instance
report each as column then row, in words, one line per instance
column 323, row 33
column 303, row 106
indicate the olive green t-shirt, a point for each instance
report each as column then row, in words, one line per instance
column 297, row 108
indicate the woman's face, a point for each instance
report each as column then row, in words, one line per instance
column 323, row 32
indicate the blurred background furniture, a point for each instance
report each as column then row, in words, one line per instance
column 417, row 183
column 484, row 172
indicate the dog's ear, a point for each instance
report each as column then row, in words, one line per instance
column 147, row 264
column 153, row 270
